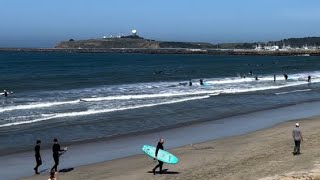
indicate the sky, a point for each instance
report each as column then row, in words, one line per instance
column 44, row 23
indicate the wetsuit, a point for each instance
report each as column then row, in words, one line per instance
column 56, row 153
column 6, row 94
column 201, row 82
column 38, row 157
column 159, row 146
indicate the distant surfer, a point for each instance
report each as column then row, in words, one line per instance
column 6, row 93
column 285, row 76
column 159, row 146
column 183, row 84
column 256, row 78
column 309, row 79
column 158, row 72
column 250, row 72
column 190, row 83
column 297, row 137
column 201, row 82
column 37, row 156
column 274, row 78
column 57, row 151
column 244, row 76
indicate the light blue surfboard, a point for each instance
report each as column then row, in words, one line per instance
column 163, row 156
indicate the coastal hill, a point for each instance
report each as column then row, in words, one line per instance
column 135, row 41
column 132, row 41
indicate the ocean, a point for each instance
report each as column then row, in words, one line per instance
column 82, row 96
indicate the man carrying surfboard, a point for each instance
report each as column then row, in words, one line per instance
column 57, row 151
column 159, row 146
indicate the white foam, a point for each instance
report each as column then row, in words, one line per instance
column 91, row 112
column 37, row 105
column 147, row 96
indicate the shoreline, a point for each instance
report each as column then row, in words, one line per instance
column 263, row 154
column 8, row 151
column 125, row 147
column 183, row 51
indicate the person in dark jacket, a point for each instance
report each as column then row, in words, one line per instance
column 159, row 146
column 37, row 156
column 56, row 150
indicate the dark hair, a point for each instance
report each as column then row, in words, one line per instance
column 52, row 173
column 38, row 141
column 55, row 140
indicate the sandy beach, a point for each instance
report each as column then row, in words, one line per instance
column 264, row 154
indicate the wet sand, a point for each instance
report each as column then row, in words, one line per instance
column 264, row 154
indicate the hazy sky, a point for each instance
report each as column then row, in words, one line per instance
column 43, row 23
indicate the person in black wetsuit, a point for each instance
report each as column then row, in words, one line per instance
column 309, row 78
column 285, row 76
column 56, row 149
column 37, row 156
column 159, row 146
column 201, row 82
column 190, row 83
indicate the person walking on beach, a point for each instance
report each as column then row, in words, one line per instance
column 297, row 137
column 159, row 146
column 56, row 150
column 37, row 156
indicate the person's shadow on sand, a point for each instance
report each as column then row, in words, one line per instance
column 66, row 170
column 60, row 171
column 165, row 171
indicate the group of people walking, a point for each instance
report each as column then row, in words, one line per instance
column 57, row 151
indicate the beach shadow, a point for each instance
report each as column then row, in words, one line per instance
column 44, row 170
column 66, row 170
column 165, row 171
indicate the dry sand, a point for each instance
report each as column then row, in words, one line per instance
column 265, row 154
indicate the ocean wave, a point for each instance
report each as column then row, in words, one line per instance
column 91, row 112
column 147, row 96
column 37, row 105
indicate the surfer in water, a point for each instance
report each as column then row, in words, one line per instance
column 6, row 93
column 57, row 151
column 274, row 78
column 285, row 76
column 159, row 146
column 37, row 156
column 309, row 79
column 201, row 82
column 256, row 78
column 190, row 83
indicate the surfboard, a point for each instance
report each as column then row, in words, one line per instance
column 163, row 156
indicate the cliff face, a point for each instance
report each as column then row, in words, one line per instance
column 128, row 43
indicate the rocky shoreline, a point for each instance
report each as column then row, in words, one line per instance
column 241, row 52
